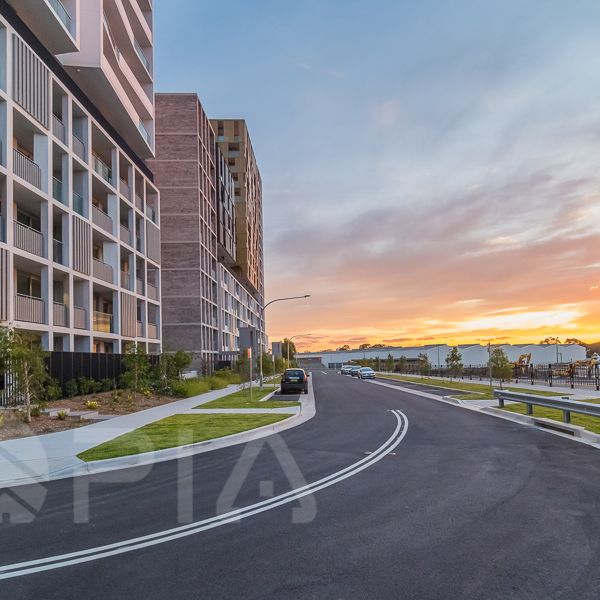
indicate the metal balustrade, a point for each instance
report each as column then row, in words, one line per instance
column 58, row 129
column 124, row 189
column 153, row 331
column 58, row 190
column 126, row 280
column 139, row 203
column 125, row 234
column 29, row 309
column 103, row 322
column 60, row 315
column 28, row 239
column 27, row 169
column 152, row 292
column 141, row 55
column 102, row 271
column 78, row 204
column 140, row 329
column 100, row 218
column 79, row 147
column 79, row 317
column 139, row 286
column 58, row 254
column 63, row 15
column 102, row 169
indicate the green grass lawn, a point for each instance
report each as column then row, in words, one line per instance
column 241, row 399
column 178, row 430
column 590, row 423
column 478, row 391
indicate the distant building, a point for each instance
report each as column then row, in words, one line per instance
column 472, row 354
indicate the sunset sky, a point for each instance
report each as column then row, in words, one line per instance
column 430, row 173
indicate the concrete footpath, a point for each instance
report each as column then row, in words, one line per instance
column 52, row 456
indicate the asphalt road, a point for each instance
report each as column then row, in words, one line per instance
column 466, row 506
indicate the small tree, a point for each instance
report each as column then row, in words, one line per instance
column 389, row 363
column 454, row 363
column 242, row 367
column 267, row 363
column 424, row 364
column 402, row 362
column 501, row 367
column 137, row 370
column 364, row 346
column 27, row 364
column 279, row 364
column 344, row 348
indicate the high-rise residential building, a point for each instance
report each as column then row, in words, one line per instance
column 79, row 213
column 206, row 299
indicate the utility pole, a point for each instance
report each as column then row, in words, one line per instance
column 490, row 362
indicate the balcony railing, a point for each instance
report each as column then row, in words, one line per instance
column 125, row 189
column 151, row 213
column 28, row 239
column 145, row 134
column 79, row 317
column 60, row 315
column 103, row 322
column 102, row 169
column 139, row 244
column 29, row 309
column 140, row 329
column 79, row 147
column 58, row 129
column 78, row 204
column 62, row 14
column 26, row 169
column 153, row 331
column 139, row 203
column 103, row 271
column 139, row 286
column 100, row 218
column 127, row 280
column 152, row 292
column 58, row 252
column 142, row 56
column 58, row 190
column 125, row 235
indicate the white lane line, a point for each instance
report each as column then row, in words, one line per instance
column 323, row 372
column 91, row 554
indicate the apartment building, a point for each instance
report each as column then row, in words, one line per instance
column 205, row 298
column 79, row 213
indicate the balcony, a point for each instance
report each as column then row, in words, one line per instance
column 125, row 235
column 79, row 317
column 26, row 169
column 79, row 148
column 152, row 292
column 151, row 213
column 58, row 253
column 78, row 204
column 140, row 329
column 58, row 190
column 29, row 309
column 124, row 189
column 58, row 129
column 102, row 271
column 141, row 55
column 63, row 15
column 139, row 286
column 127, row 281
column 139, row 244
column 28, row 239
column 103, row 322
column 100, row 218
column 139, row 203
column 145, row 134
column 60, row 315
column 102, row 169
column 153, row 331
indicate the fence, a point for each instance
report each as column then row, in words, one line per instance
column 64, row 366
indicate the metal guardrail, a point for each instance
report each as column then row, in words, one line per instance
column 566, row 406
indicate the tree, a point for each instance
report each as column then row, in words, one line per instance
column 389, row 363
column 279, row 364
column 550, row 340
column 364, row 346
column 375, row 346
column 137, row 370
column 402, row 362
column 424, row 364
column 267, row 362
column 454, row 363
column 29, row 373
column 501, row 367
column 242, row 367
column 344, row 348
column 285, row 345
column 575, row 341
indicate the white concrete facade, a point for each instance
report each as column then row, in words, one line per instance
column 473, row 355
column 79, row 214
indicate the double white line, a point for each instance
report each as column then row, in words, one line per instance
column 161, row 537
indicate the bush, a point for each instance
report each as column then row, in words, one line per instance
column 216, row 383
column 36, row 411
column 53, row 390
column 62, row 415
column 106, row 385
column 86, row 385
column 186, row 388
column 1, row 420
column 91, row 405
column 71, row 388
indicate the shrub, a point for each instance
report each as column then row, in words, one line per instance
column 86, row 385
column 71, row 388
column 36, row 411
column 1, row 420
column 216, row 383
column 91, row 405
column 62, row 415
column 106, row 385
column 186, row 388
column 53, row 390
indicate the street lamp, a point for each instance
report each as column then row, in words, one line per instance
column 289, row 344
column 262, row 311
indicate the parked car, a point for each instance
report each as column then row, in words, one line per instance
column 345, row 370
column 294, row 380
column 366, row 373
column 354, row 371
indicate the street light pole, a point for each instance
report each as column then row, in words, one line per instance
column 262, row 314
column 289, row 344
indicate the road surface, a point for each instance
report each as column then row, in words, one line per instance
column 414, row 499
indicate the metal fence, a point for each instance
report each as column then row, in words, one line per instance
column 65, row 366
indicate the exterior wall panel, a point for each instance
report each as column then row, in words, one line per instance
column 82, row 246
column 128, row 315
column 4, row 283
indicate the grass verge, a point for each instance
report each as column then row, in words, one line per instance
column 590, row 423
column 241, row 399
column 478, row 391
column 177, row 430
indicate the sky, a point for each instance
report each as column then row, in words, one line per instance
column 431, row 169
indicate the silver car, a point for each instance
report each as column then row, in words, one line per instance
column 366, row 373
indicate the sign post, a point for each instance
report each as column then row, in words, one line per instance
column 251, row 374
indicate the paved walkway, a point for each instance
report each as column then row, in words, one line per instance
column 54, row 454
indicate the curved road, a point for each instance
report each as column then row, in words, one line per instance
column 441, row 503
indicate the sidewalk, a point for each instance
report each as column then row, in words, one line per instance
column 54, row 455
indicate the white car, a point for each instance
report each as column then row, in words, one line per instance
column 366, row 373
